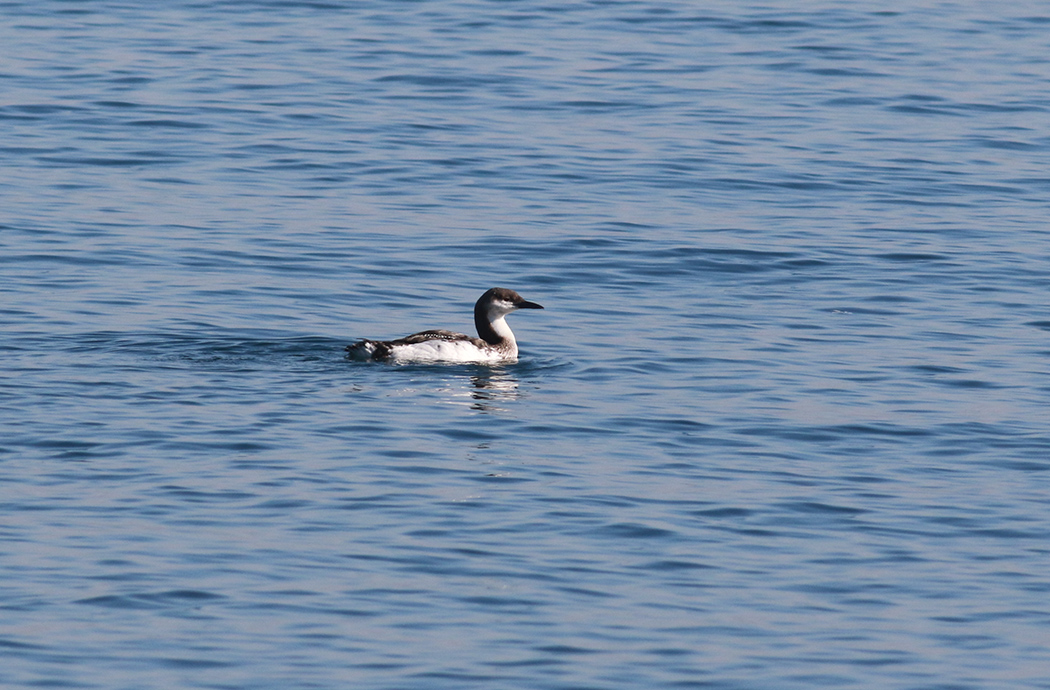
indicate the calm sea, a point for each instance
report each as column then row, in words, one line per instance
column 783, row 423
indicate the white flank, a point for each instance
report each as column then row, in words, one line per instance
column 460, row 351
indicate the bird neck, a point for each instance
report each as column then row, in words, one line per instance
column 495, row 331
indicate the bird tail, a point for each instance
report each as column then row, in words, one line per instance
column 361, row 351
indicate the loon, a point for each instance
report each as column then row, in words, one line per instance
column 495, row 343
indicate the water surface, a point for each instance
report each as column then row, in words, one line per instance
column 782, row 423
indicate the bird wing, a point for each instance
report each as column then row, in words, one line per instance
column 424, row 336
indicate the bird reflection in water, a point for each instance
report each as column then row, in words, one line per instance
column 491, row 387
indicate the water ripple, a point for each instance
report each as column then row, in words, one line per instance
column 783, row 417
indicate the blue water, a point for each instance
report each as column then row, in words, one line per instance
column 782, row 424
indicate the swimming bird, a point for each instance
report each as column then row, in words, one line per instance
column 495, row 342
